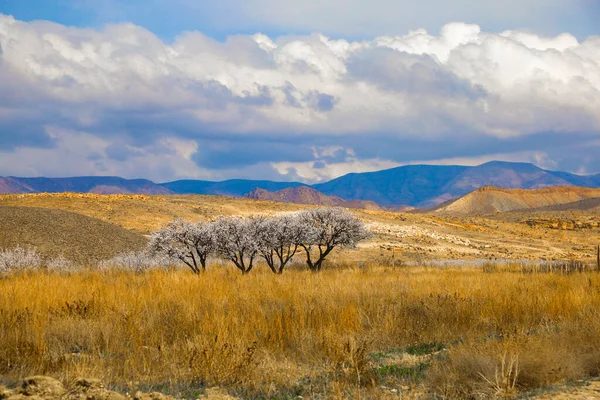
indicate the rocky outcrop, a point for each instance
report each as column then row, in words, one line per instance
column 564, row 224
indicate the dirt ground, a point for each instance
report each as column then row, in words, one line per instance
column 588, row 390
column 47, row 388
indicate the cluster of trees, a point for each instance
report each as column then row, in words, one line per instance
column 277, row 240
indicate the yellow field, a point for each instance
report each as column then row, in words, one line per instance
column 346, row 333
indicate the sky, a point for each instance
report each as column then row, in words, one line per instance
column 295, row 90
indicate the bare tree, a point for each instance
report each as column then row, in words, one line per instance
column 280, row 238
column 237, row 240
column 324, row 229
column 185, row 241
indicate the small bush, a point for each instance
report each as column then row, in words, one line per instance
column 19, row 259
column 62, row 265
column 136, row 262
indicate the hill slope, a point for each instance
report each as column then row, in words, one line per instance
column 55, row 232
column 306, row 195
column 489, row 199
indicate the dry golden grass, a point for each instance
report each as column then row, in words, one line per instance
column 369, row 333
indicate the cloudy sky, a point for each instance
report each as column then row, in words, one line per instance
column 295, row 90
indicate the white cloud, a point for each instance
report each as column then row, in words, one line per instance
column 307, row 172
column 124, row 87
column 79, row 153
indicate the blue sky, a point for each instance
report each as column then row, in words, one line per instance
column 221, row 18
column 295, row 90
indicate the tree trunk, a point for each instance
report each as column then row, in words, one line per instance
column 193, row 267
column 284, row 259
column 270, row 259
column 239, row 264
column 308, row 259
column 250, row 265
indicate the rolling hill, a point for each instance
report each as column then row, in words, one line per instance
column 490, row 199
column 306, row 195
column 56, row 232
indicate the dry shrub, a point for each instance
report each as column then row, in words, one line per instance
column 61, row 264
column 348, row 360
column 503, row 367
column 214, row 361
column 139, row 262
column 19, row 259
column 472, row 372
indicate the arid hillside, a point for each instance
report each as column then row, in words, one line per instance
column 55, row 232
column 490, row 199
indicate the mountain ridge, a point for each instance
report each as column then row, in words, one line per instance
column 422, row 186
column 83, row 184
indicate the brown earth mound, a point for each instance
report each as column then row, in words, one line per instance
column 56, row 232
column 306, row 195
column 490, row 200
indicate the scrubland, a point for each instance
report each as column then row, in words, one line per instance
column 370, row 332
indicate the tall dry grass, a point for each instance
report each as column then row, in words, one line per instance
column 303, row 333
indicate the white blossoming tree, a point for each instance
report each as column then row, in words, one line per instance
column 324, row 229
column 237, row 239
column 279, row 241
column 190, row 243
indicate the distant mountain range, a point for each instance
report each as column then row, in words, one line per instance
column 412, row 185
column 81, row 184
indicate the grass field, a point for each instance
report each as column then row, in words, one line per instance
column 345, row 333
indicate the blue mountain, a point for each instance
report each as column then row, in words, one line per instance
column 411, row 185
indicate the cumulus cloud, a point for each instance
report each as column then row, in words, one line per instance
column 198, row 107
